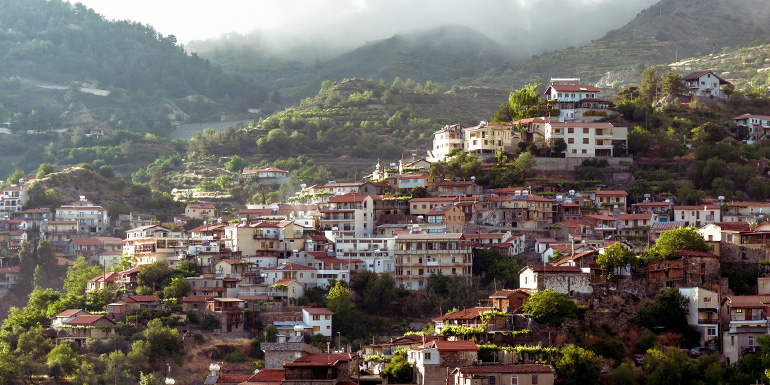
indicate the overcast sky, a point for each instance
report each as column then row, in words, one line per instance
column 352, row 22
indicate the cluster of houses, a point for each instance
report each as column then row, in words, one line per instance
column 266, row 258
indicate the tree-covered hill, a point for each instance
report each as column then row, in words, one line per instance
column 446, row 55
column 50, row 47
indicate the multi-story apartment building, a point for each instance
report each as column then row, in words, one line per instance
column 148, row 244
column 743, row 322
column 264, row 238
column 447, row 139
column 59, row 232
column 610, row 202
column 702, row 311
column 487, row 138
column 377, row 253
column 352, row 215
column 745, row 211
column 92, row 219
column 420, row 255
column 200, row 210
column 587, row 139
column 698, row 215
column 664, row 211
column 574, row 99
column 13, row 198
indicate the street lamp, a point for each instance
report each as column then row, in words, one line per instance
column 339, row 346
column 169, row 380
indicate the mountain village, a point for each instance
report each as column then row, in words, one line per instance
column 263, row 262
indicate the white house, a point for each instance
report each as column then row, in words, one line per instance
column 705, row 83
column 574, row 99
column 320, row 319
column 702, row 311
column 350, row 215
column 13, row 198
column 698, row 215
column 92, row 219
column 758, row 125
column 587, row 139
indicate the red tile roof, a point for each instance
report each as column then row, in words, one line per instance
column 348, row 198
column 733, row 226
column 318, row 310
column 70, row 313
column 454, row 346
column 464, row 314
column 572, row 88
column 87, row 320
column 198, row 298
column 290, row 266
column 507, row 293
column 320, row 359
column 553, row 269
column 12, row 269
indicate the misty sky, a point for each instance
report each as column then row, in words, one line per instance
column 349, row 23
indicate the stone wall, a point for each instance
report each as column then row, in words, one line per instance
column 731, row 253
column 278, row 353
column 569, row 164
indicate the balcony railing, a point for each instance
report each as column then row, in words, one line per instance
column 708, row 321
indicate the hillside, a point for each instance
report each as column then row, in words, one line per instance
column 662, row 34
column 446, row 55
column 73, row 67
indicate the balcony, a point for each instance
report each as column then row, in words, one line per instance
column 708, row 321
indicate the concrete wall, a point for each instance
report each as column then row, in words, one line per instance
column 278, row 353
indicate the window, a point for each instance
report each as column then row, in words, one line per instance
column 514, row 379
column 491, row 380
column 316, row 317
column 570, row 140
column 711, row 332
column 534, row 379
column 585, row 140
column 707, row 300
column 426, row 356
column 571, row 130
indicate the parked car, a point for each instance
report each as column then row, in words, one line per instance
column 638, row 359
column 699, row 351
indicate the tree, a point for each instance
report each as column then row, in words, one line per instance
column 163, row 342
column 524, row 163
column 650, row 85
column 578, row 366
column 398, row 371
column 43, row 170
column 379, row 293
column 504, row 272
column 639, row 140
column 177, row 289
column 155, row 275
column 77, row 275
column 558, row 146
column 339, row 299
column 524, row 99
column 668, row 311
column 9, row 369
column 682, row 238
column 147, row 379
column 614, row 258
column 107, row 172
column 549, row 307
column 187, row 268
column 63, row 359
column 673, row 367
column 672, row 84
column 236, row 164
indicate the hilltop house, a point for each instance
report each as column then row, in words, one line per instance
column 705, row 83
